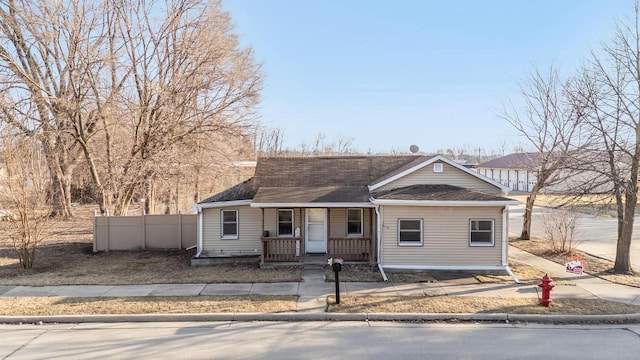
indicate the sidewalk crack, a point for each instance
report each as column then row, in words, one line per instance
column 25, row 344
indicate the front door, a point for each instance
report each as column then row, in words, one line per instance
column 316, row 231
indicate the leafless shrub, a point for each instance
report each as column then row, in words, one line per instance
column 24, row 197
column 560, row 228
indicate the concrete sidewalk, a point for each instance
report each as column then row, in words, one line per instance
column 313, row 290
column 595, row 286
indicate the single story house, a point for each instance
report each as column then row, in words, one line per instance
column 399, row 212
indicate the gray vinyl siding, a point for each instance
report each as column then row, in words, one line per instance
column 271, row 220
column 250, row 222
column 338, row 222
column 445, row 237
column 249, row 231
column 450, row 175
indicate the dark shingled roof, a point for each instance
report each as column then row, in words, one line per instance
column 328, row 171
column 316, row 179
column 337, row 179
column 246, row 190
column 324, row 194
column 436, row 192
column 513, row 161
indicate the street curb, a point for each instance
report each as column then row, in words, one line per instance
column 325, row 316
column 436, row 317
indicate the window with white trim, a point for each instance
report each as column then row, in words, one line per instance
column 410, row 232
column 354, row 222
column 438, row 167
column 285, row 222
column 229, row 224
column 481, row 232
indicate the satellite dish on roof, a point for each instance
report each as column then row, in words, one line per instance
column 414, row 149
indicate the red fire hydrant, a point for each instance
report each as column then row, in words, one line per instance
column 546, row 285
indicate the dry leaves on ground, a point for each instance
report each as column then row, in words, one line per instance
column 45, row 306
column 369, row 273
column 462, row 304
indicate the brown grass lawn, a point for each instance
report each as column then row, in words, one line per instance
column 463, row 304
column 367, row 273
column 45, row 306
column 593, row 265
column 67, row 257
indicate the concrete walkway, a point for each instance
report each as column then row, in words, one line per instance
column 595, row 235
column 313, row 290
column 584, row 284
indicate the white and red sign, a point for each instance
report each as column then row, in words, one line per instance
column 574, row 265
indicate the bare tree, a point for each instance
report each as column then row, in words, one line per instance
column 39, row 43
column 608, row 93
column 550, row 125
column 318, row 146
column 268, row 142
column 124, row 86
column 23, row 195
column 185, row 76
column 344, row 145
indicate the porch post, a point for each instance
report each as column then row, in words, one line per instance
column 303, row 227
column 372, row 240
column 328, row 229
column 328, row 223
column 262, row 247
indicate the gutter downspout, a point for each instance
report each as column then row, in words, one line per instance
column 378, row 237
column 200, row 230
column 505, row 239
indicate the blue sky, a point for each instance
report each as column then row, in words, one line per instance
column 394, row 73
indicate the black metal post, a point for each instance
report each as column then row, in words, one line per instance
column 337, row 287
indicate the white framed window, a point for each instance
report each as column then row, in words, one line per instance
column 481, row 232
column 229, row 224
column 438, row 167
column 354, row 222
column 409, row 232
column 285, row 222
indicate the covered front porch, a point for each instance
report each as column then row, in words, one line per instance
column 306, row 234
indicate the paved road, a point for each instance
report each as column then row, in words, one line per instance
column 319, row 340
column 595, row 235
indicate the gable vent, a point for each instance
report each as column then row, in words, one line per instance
column 438, row 167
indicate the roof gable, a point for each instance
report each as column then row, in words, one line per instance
column 417, row 165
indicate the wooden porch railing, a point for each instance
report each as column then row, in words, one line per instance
column 352, row 249
column 276, row 249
